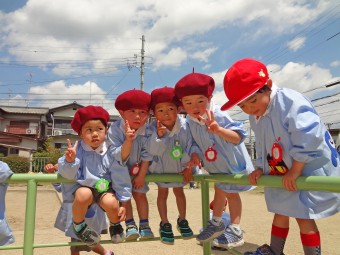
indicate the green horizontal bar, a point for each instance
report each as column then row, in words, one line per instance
column 322, row 183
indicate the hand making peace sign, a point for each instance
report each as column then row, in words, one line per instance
column 161, row 130
column 210, row 122
column 70, row 154
column 129, row 133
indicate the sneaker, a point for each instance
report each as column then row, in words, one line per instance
column 145, row 232
column 166, row 234
column 117, row 233
column 262, row 250
column 184, row 229
column 210, row 232
column 229, row 239
column 131, row 233
column 87, row 235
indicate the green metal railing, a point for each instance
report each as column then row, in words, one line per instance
column 321, row 183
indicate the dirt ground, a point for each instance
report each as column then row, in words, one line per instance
column 256, row 222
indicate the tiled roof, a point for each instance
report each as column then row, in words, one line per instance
column 24, row 110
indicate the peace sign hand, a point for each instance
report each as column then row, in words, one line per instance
column 210, row 122
column 70, row 154
column 161, row 130
column 129, row 133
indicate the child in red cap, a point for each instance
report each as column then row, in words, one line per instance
column 220, row 140
column 128, row 136
column 291, row 141
column 172, row 146
column 101, row 178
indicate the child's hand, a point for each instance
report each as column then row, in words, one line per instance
column 210, row 122
column 161, row 130
column 138, row 182
column 194, row 160
column 70, row 154
column 50, row 168
column 122, row 213
column 129, row 133
column 288, row 180
column 187, row 174
column 253, row 176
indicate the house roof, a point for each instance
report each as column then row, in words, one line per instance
column 25, row 110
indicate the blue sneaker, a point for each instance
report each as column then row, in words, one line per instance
column 145, row 232
column 184, row 229
column 166, row 234
column 211, row 232
column 231, row 238
column 131, row 232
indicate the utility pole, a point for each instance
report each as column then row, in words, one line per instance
column 142, row 65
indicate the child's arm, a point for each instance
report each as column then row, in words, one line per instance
column 127, row 145
column 253, row 176
column 122, row 211
column 50, row 168
column 68, row 164
column 288, row 180
column 187, row 174
column 213, row 127
column 138, row 181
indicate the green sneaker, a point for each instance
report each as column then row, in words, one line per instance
column 166, row 234
column 184, row 229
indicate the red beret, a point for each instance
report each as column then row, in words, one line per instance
column 195, row 84
column 242, row 80
column 163, row 95
column 133, row 99
column 89, row 113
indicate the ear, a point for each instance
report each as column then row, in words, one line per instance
column 270, row 83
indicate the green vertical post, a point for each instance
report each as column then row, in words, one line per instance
column 205, row 212
column 31, row 199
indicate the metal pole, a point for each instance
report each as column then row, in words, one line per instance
column 142, row 64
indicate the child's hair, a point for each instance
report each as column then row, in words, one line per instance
column 264, row 89
column 87, row 113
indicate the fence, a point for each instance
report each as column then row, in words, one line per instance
column 322, row 183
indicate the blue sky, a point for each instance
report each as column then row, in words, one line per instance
column 56, row 52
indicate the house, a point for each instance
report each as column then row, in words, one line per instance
column 24, row 129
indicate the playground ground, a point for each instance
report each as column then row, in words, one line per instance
column 256, row 222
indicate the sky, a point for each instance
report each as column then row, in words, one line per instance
column 89, row 51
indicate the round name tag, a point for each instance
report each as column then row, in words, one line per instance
column 176, row 152
column 135, row 169
column 102, row 185
column 210, row 154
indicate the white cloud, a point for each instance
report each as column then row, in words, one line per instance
column 335, row 63
column 174, row 58
column 203, row 55
column 297, row 43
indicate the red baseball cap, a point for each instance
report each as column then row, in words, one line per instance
column 195, row 84
column 133, row 99
column 86, row 113
column 163, row 95
column 242, row 80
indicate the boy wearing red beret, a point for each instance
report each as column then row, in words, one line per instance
column 128, row 136
column 291, row 141
column 101, row 178
column 220, row 140
column 171, row 146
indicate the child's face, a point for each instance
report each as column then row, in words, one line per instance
column 195, row 105
column 93, row 133
column 256, row 104
column 135, row 117
column 166, row 113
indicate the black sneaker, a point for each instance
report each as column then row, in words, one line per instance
column 87, row 235
column 117, row 233
column 184, row 229
column 166, row 234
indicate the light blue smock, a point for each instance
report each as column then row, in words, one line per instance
column 6, row 235
column 160, row 148
column 231, row 158
column 138, row 153
column 293, row 123
column 91, row 165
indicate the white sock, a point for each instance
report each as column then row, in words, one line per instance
column 216, row 221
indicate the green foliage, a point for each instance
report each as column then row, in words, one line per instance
column 17, row 164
